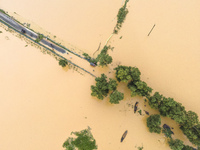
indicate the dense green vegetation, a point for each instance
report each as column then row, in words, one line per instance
column 176, row 144
column 39, row 38
column 103, row 87
column 63, row 62
column 116, row 96
column 84, row 141
column 153, row 123
column 103, row 59
column 123, row 11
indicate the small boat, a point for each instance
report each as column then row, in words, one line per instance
column 135, row 107
column 124, row 135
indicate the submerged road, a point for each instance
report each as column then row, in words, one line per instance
column 30, row 33
column 47, row 43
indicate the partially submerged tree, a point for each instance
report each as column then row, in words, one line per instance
column 176, row 144
column 112, row 84
column 63, row 62
column 172, row 109
column 155, row 100
column 193, row 134
column 101, row 89
column 83, row 141
column 153, row 123
column 103, row 58
column 123, row 11
column 139, row 88
column 116, row 96
column 127, row 74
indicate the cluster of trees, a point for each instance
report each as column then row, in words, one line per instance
column 103, row 87
column 84, row 141
column 123, row 11
column 168, row 107
column 188, row 120
column 39, row 38
column 153, row 123
column 103, row 59
column 63, row 63
column 131, row 75
column 178, row 145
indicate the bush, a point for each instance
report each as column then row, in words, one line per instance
column 153, row 123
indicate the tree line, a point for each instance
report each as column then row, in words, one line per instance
column 168, row 107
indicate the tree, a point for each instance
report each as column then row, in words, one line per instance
column 155, row 100
column 101, row 89
column 84, row 141
column 186, row 147
column 104, row 59
column 176, row 144
column 116, row 96
column 112, row 84
column 63, row 62
column 193, row 134
column 153, row 123
column 126, row 74
column 191, row 119
column 139, row 88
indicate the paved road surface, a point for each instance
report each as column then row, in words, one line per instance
column 28, row 32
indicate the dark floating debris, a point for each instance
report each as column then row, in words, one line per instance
column 135, row 107
column 124, row 135
column 146, row 112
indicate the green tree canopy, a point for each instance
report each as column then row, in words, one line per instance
column 126, row 74
column 139, row 88
column 112, row 84
column 116, row 96
column 84, row 141
column 176, row 144
column 191, row 119
column 155, row 100
column 101, row 89
column 170, row 108
column 153, row 123
column 193, row 134
column 186, row 147
column 63, row 62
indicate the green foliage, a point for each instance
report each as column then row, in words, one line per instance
column 112, row 84
column 174, row 110
column 123, row 11
column 116, row 96
column 191, row 119
column 86, row 56
column 176, row 144
column 193, row 134
column 0, row 31
column 186, row 147
column 168, row 133
column 154, row 122
column 84, row 141
column 39, row 38
column 155, row 100
column 101, row 89
column 103, row 58
column 139, row 88
column 126, row 74
column 63, row 62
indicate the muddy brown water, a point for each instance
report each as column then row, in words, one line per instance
column 41, row 103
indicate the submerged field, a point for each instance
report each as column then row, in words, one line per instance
column 41, row 103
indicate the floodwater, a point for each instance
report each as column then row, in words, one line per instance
column 41, row 103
